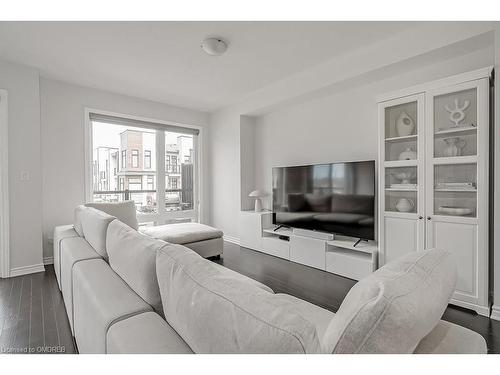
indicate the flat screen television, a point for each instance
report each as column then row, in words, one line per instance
column 335, row 198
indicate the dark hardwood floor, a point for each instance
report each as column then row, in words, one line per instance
column 33, row 316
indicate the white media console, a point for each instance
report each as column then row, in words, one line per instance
column 337, row 255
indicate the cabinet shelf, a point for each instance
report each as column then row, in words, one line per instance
column 468, row 129
column 400, row 163
column 455, row 190
column 456, row 160
column 286, row 232
column 397, row 189
column 405, row 138
column 362, row 247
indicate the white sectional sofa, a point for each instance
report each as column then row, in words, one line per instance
column 126, row 292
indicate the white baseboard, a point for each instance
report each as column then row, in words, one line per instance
column 25, row 270
column 495, row 312
column 232, row 239
column 481, row 310
column 48, row 260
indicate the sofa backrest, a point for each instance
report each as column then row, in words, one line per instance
column 394, row 308
column 77, row 223
column 123, row 211
column 216, row 312
column 94, row 227
column 132, row 256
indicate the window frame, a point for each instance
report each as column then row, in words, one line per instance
column 134, row 158
column 123, row 157
column 147, row 156
column 198, row 210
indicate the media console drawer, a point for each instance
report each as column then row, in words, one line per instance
column 275, row 246
column 354, row 265
column 308, row 251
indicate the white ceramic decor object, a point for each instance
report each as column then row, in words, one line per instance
column 454, row 146
column 408, row 154
column 405, row 125
column 405, row 177
column 405, row 205
column 457, row 114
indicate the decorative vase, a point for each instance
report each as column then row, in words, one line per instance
column 404, row 125
column 454, row 146
column 408, row 154
column 405, row 205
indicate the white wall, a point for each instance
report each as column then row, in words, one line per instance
column 224, row 159
column 339, row 127
column 24, row 155
column 247, row 161
column 339, row 124
column 62, row 150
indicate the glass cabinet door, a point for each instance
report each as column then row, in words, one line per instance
column 401, row 132
column 456, row 123
column 401, row 152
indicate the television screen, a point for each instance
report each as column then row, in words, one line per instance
column 334, row 198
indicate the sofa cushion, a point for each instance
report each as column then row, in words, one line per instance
column 73, row 250
column 132, row 256
column 182, row 233
column 145, row 333
column 319, row 316
column 95, row 226
column 78, row 219
column 230, row 274
column 394, row 308
column 60, row 234
column 123, row 211
column 215, row 312
column 100, row 299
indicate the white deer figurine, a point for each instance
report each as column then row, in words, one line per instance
column 458, row 113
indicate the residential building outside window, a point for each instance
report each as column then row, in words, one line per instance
column 160, row 198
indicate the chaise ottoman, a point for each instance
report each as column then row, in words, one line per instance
column 205, row 240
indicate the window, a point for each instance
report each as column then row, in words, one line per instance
column 147, row 159
column 134, row 183
column 135, row 158
column 158, row 197
column 124, row 159
column 151, row 182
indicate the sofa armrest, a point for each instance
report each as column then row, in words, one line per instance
column 449, row 338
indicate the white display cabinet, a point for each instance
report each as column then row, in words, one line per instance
column 434, row 193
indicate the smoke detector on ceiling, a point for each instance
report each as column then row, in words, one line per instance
column 214, row 46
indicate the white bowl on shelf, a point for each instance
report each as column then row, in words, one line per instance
column 457, row 211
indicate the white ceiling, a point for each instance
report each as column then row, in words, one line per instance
column 163, row 61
